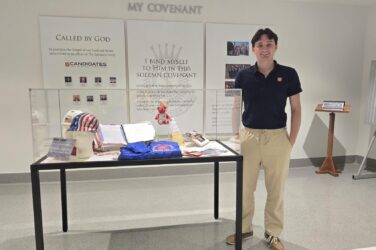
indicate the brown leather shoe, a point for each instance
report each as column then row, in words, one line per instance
column 230, row 240
column 273, row 242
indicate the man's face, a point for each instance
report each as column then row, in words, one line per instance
column 264, row 49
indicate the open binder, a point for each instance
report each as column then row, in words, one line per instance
column 112, row 136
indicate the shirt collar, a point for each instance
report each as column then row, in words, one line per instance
column 276, row 66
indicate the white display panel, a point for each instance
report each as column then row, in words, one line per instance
column 228, row 50
column 83, row 52
column 165, row 54
column 223, row 61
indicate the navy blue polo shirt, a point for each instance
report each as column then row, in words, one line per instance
column 265, row 97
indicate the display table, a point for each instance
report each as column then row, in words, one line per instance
column 328, row 166
column 46, row 163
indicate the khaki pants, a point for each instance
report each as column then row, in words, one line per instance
column 271, row 148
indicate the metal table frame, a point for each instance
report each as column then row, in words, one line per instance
column 38, row 166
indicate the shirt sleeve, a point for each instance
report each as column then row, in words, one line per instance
column 294, row 85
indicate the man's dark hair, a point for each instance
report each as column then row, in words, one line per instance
column 268, row 32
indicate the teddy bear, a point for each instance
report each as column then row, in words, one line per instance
column 162, row 117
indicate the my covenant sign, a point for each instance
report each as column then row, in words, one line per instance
column 165, row 8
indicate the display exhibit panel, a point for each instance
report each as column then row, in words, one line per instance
column 165, row 54
column 228, row 50
column 83, row 52
column 206, row 111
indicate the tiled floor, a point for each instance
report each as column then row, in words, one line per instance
column 176, row 212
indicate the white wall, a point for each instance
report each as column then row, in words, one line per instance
column 366, row 131
column 324, row 42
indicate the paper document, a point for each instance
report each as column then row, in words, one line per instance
column 138, row 132
column 111, row 134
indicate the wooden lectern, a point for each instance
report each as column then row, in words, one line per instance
column 328, row 164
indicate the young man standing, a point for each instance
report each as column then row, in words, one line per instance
column 264, row 139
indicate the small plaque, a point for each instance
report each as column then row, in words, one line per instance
column 333, row 105
column 61, row 148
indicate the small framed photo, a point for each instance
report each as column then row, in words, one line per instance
column 83, row 79
column 230, row 88
column 76, row 98
column 98, row 81
column 113, row 80
column 200, row 140
column 233, row 69
column 237, row 48
column 90, row 98
column 68, row 80
column 197, row 138
column 103, row 98
column 230, row 84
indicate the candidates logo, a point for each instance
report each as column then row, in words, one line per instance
column 86, row 64
column 162, row 147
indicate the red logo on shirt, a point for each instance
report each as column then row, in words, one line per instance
column 162, row 147
column 279, row 79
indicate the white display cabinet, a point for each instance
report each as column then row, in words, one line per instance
column 214, row 112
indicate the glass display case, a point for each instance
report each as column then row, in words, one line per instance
column 215, row 113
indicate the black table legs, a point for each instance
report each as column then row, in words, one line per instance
column 239, row 200
column 63, row 190
column 239, row 204
column 37, row 206
column 216, row 189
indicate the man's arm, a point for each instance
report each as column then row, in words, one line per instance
column 296, row 117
